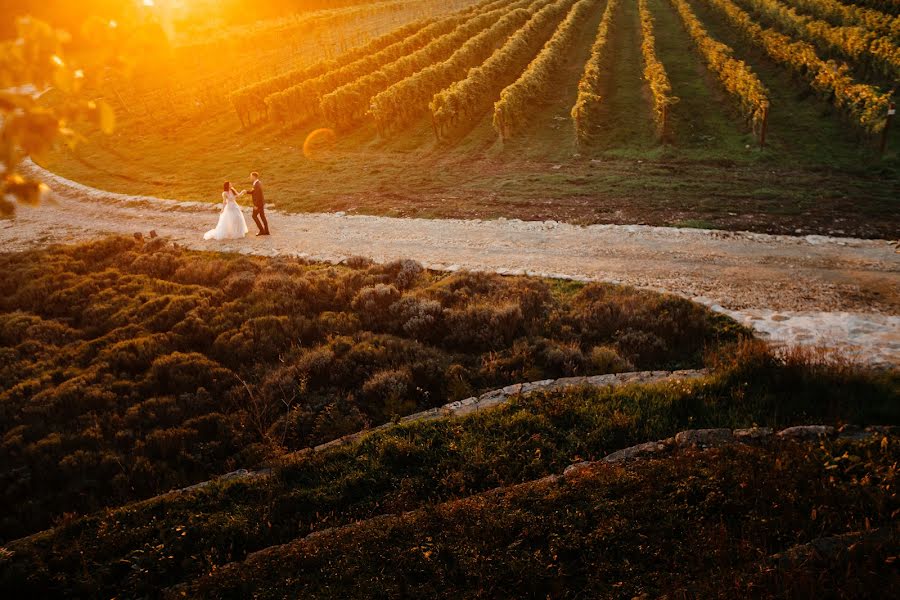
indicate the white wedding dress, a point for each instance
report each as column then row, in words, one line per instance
column 232, row 225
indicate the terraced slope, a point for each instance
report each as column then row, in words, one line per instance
column 694, row 522
column 175, row 539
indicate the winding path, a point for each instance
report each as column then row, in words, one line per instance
column 838, row 292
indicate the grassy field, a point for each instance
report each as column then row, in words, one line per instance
column 814, row 175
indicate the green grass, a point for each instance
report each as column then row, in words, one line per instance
column 145, row 546
column 704, row 118
column 626, row 128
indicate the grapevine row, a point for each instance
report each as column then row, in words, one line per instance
column 839, row 13
column 514, row 107
column 301, row 101
column 655, row 72
column 409, row 98
column 484, row 83
column 735, row 76
column 250, row 99
column 864, row 104
column 585, row 110
column 877, row 53
column 349, row 103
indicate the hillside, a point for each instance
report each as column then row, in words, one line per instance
column 444, row 467
column 412, row 116
column 130, row 368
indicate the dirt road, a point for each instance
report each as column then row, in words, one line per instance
column 838, row 292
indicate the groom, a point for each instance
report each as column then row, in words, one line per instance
column 259, row 205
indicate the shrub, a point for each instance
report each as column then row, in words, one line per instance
column 605, row 359
column 339, row 418
column 186, row 372
column 387, row 393
column 373, row 303
column 480, row 327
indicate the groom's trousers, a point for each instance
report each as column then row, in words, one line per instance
column 259, row 217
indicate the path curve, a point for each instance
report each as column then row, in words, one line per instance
column 838, row 292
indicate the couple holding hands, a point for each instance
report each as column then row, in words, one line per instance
column 232, row 224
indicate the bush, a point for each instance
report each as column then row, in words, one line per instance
column 482, row 327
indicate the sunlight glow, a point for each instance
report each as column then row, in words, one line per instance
column 317, row 140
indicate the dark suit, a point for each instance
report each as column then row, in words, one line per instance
column 259, row 207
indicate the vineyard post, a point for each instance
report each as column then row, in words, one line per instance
column 892, row 108
column 764, row 127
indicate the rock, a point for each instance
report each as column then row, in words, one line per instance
column 639, row 451
column 752, row 434
column 153, row 234
column 703, row 437
column 806, row 432
column 139, row 236
column 576, row 467
column 238, row 474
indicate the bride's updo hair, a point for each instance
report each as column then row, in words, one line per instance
column 227, row 186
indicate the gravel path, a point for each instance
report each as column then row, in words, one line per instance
column 838, row 292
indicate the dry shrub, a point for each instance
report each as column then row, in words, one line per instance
column 338, row 419
column 373, row 303
column 418, row 318
column 480, row 327
column 387, row 393
column 605, row 359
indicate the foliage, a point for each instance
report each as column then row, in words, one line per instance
column 514, row 107
column 483, row 84
column 873, row 52
column 735, row 76
column 839, row 13
column 655, row 72
column 694, row 524
column 864, row 104
column 31, row 64
column 409, row 98
column 584, row 113
column 301, row 100
column 154, row 367
column 349, row 103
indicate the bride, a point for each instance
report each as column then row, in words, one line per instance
column 231, row 224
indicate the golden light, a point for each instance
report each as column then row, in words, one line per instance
column 57, row 60
column 148, row 3
column 316, row 141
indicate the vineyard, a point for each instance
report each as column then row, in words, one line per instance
column 579, row 110
column 498, row 58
